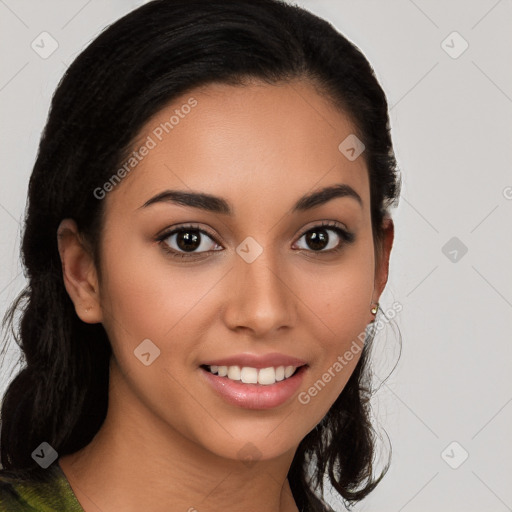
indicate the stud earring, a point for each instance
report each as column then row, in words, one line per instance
column 375, row 309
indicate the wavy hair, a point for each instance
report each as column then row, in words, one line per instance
column 127, row 74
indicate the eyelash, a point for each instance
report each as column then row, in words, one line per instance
column 347, row 238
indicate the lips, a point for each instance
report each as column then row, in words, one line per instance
column 255, row 396
column 274, row 359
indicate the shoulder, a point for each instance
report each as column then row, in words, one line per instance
column 38, row 490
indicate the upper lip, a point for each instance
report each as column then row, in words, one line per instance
column 257, row 361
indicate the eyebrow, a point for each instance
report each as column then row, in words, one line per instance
column 216, row 204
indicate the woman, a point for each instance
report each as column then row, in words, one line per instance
column 207, row 238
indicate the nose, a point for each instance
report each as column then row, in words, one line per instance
column 260, row 299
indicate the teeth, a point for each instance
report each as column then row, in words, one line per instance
column 234, row 372
column 288, row 371
column 248, row 375
column 266, row 376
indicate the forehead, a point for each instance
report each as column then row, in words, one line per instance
column 242, row 142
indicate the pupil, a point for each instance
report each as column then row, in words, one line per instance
column 317, row 239
column 188, row 240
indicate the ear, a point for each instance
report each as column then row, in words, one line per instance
column 79, row 272
column 382, row 259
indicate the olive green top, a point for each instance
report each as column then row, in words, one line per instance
column 27, row 495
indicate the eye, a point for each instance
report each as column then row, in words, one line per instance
column 190, row 241
column 187, row 241
column 320, row 241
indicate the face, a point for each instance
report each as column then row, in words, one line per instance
column 260, row 270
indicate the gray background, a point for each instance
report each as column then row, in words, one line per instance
column 451, row 126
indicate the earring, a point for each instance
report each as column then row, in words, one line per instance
column 375, row 309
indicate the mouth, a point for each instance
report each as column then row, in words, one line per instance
column 249, row 375
column 254, row 388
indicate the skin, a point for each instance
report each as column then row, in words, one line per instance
column 169, row 440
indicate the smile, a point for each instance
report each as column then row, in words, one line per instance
column 249, row 375
column 271, row 392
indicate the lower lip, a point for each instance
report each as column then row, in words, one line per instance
column 255, row 396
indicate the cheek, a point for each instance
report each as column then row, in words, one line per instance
column 340, row 309
column 341, row 313
column 145, row 295
column 340, row 296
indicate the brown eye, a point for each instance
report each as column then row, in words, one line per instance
column 317, row 239
column 187, row 240
column 321, row 239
